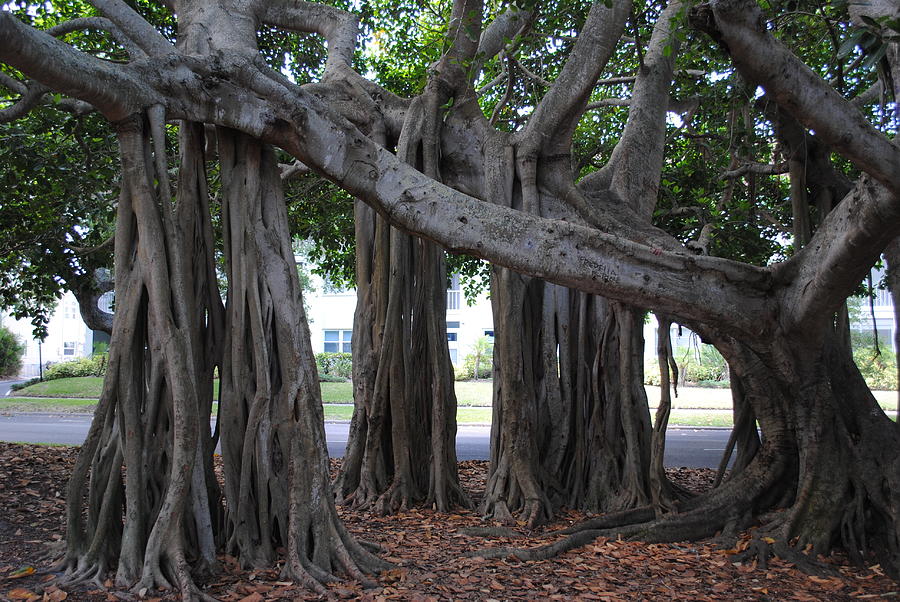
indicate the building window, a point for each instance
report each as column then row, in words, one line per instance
column 70, row 310
column 454, row 356
column 451, row 336
column 69, row 348
column 489, row 334
column 337, row 341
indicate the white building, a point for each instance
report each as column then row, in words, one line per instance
column 331, row 319
column 67, row 337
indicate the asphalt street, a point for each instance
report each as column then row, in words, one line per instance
column 5, row 385
column 685, row 447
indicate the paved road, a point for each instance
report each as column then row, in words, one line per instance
column 6, row 384
column 693, row 448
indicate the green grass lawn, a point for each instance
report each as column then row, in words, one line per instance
column 467, row 393
column 84, row 387
column 49, row 404
column 474, row 400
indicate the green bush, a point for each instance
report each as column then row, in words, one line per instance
column 335, row 364
column 94, row 365
column 704, row 368
column 11, row 352
column 880, row 371
column 466, row 371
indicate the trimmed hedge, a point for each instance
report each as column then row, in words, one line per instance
column 332, row 365
column 94, row 365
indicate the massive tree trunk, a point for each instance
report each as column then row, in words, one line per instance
column 402, row 445
column 152, row 421
column 277, row 487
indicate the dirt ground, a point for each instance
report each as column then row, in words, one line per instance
column 428, row 550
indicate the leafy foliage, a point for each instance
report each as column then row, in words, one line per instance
column 59, row 174
column 479, row 363
column 338, row 365
column 95, row 365
column 321, row 216
column 879, row 369
column 701, row 365
column 11, row 352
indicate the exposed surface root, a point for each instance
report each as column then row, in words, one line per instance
column 761, row 550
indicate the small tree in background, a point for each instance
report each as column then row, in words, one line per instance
column 11, row 352
column 482, row 351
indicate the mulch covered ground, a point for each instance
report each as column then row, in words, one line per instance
column 428, row 550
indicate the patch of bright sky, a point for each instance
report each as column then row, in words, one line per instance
column 31, row 9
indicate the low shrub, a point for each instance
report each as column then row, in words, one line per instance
column 27, row 383
column 94, row 365
column 335, row 364
column 331, row 378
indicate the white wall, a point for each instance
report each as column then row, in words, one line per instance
column 329, row 311
column 67, row 337
column 334, row 312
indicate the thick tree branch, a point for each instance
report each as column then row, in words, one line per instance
column 844, row 248
column 560, row 109
column 113, row 89
column 506, row 26
column 142, row 33
column 708, row 289
column 339, row 28
column 133, row 50
column 634, row 168
column 12, row 84
column 464, row 31
column 756, row 168
column 32, row 94
column 761, row 59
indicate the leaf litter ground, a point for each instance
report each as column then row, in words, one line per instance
column 428, row 549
